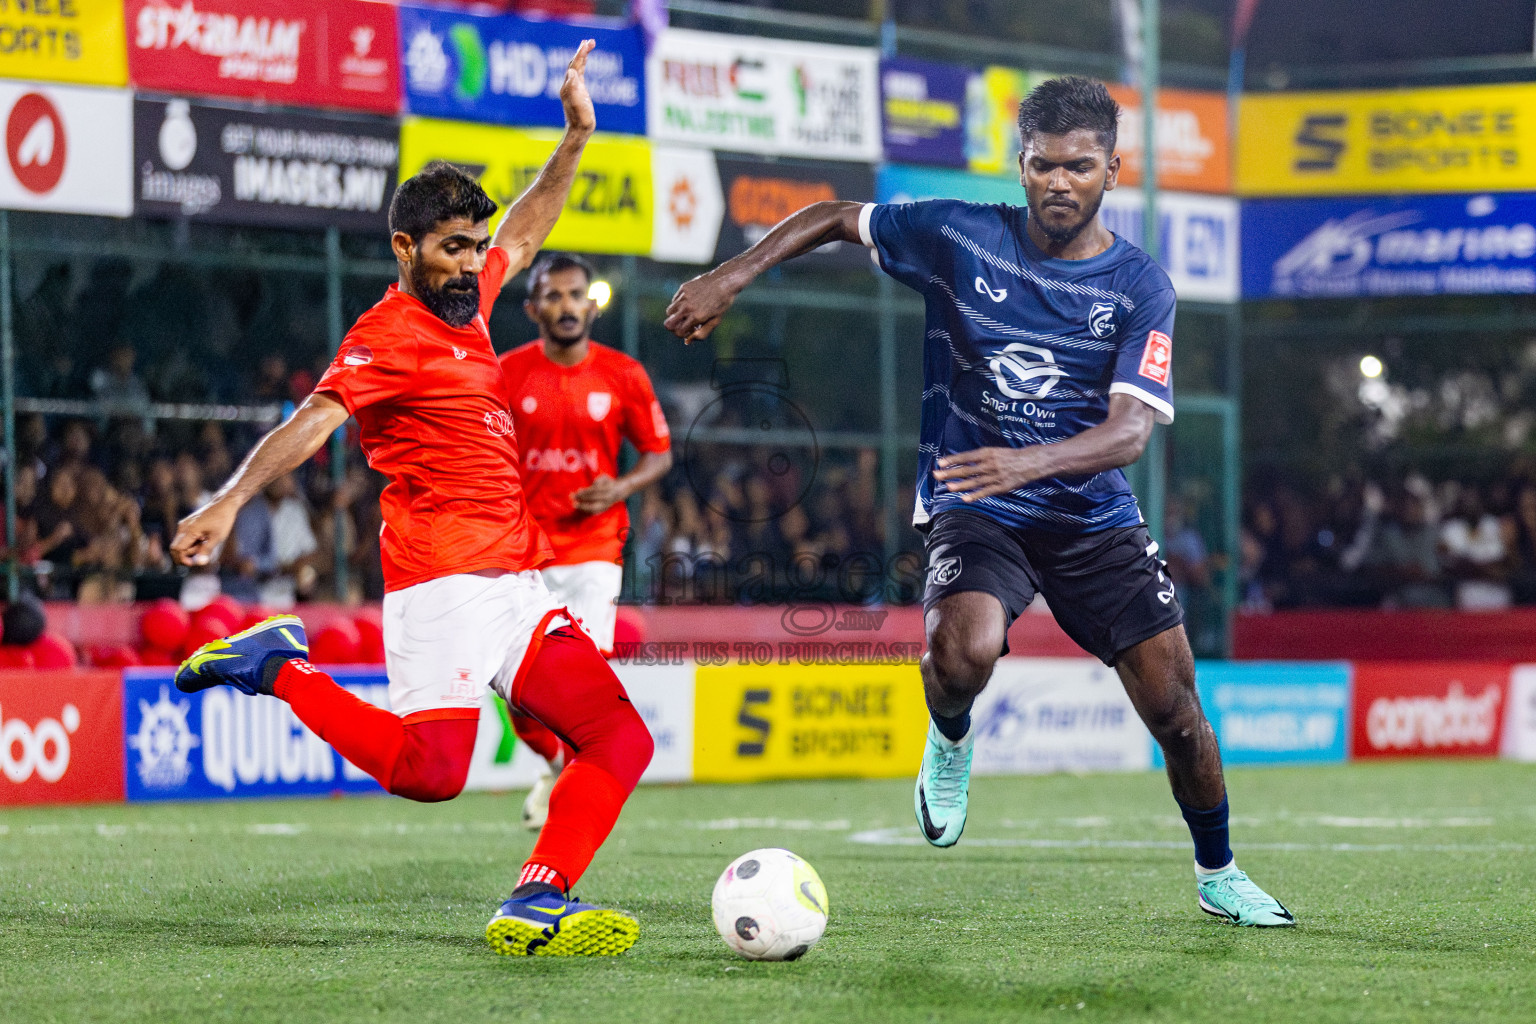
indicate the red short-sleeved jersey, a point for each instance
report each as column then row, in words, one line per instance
column 431, row 407
column 570, row 423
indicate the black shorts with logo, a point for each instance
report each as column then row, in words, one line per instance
column 1108, row 590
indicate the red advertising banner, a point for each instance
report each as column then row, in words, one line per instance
column 311, row 53
column 1429, row 709
column 61, row 736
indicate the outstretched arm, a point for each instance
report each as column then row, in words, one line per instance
column 699, row 304
column 532, row 217
column 283, row 449
column 1118, row 441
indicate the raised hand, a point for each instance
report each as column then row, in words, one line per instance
column 579, row 113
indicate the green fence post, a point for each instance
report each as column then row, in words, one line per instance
column 335, row 332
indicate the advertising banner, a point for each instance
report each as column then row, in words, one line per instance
column 1198, row 239
column 1520, row 715
column 1413, row 245
column 1267, row 712
column 508, row 70
column 306, row 53
column 922, row 105
column 68, row 150
column 764, row 95
column 992, row 119
column 1192, row 152
column 1461, row 139
column 79, row 41
column 1428, row 709
column 754, row 722
column 760, row 193
column 221, row 744
column 1056, row 715
column 609, row 209
column 688, row 204
column 61, row 736
column 269, row 169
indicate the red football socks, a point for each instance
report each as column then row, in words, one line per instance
column 539, row 739
column 572, row 690
column 424, row 760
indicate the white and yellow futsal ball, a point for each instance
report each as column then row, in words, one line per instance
column 770, row 905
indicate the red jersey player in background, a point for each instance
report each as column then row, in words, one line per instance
column 464, row 604
column 574, row 403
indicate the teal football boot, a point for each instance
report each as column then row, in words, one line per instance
column 943, row 785
column 1231, row 896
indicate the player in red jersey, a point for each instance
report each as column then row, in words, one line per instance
column 574, row 402
column 465, row 606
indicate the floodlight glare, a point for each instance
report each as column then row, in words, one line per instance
column 1371, row 367
column 600, row 293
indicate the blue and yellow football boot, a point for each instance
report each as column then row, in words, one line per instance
column 240, row 660
column 548, row 924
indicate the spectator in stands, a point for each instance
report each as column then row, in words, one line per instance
column 58, row 532
column 26, row 514
column 268, row 559
column 73, row 451
column 1405, row 559
column 191, row 488
column 1522, row 543
column 116, row 383
column 1475, row 557
column 108, row 522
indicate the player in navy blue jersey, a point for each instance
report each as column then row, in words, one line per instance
column 1047, row 357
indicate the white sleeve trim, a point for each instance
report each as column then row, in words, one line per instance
column 1162, row 410
column 864, row 235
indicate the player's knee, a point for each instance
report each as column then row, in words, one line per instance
column 1177, row 719
column 631, row 746
column 962, row 660
column 434, row 761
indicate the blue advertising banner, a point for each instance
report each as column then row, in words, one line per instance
column 1402, row 245
column 1271, row 712
column 507, row 70
column 221, row 744
column 922, row 110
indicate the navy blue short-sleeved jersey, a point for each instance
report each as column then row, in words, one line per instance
column 1022, row 349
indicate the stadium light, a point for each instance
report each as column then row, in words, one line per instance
column 600, row 292
column 1371, row 367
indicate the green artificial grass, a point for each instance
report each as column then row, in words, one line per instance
column 1070, row 897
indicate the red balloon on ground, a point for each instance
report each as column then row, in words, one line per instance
column 150, row 655
column 336, row 644
column 52, row 651
column 220, row 612
column 164, row 625
column 370, row 647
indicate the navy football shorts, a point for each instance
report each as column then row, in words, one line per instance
column 1108, row 590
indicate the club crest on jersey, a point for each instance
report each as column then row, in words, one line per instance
column 944, row 571
column 996, row 295
column 1101, row 319
column 459, row 353
column 499, row 423
column 598, row 404
column 1157, row 357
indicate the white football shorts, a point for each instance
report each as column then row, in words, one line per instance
column 591, row 591
column 447, row 639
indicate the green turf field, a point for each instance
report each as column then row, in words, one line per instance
column 1068, row 898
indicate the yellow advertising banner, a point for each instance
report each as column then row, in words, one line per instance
column 1465, row 139
column 992, row 115
column 77, row 41
column 609, row 209
column 755, row 722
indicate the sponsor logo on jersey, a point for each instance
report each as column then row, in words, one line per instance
column 1101, row 319
column 1013, row 370
column 598, row 404
column 997, row 295
column 459, row 353
column 357, row 355
column 1157, row 357
column 560, row 460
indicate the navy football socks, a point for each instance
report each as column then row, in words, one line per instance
column 1209, row 831
column 953, row 729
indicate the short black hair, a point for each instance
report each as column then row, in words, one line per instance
column 437, row 192
column 1060, row 105
column 553, row 264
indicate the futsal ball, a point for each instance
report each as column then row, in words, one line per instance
column 770, row 905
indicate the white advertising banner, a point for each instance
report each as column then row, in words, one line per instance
column 764, row 95
column 1055, row 715
column 1520, row 715
column 67, row 149
column 1198, row 240
column 689, row 205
